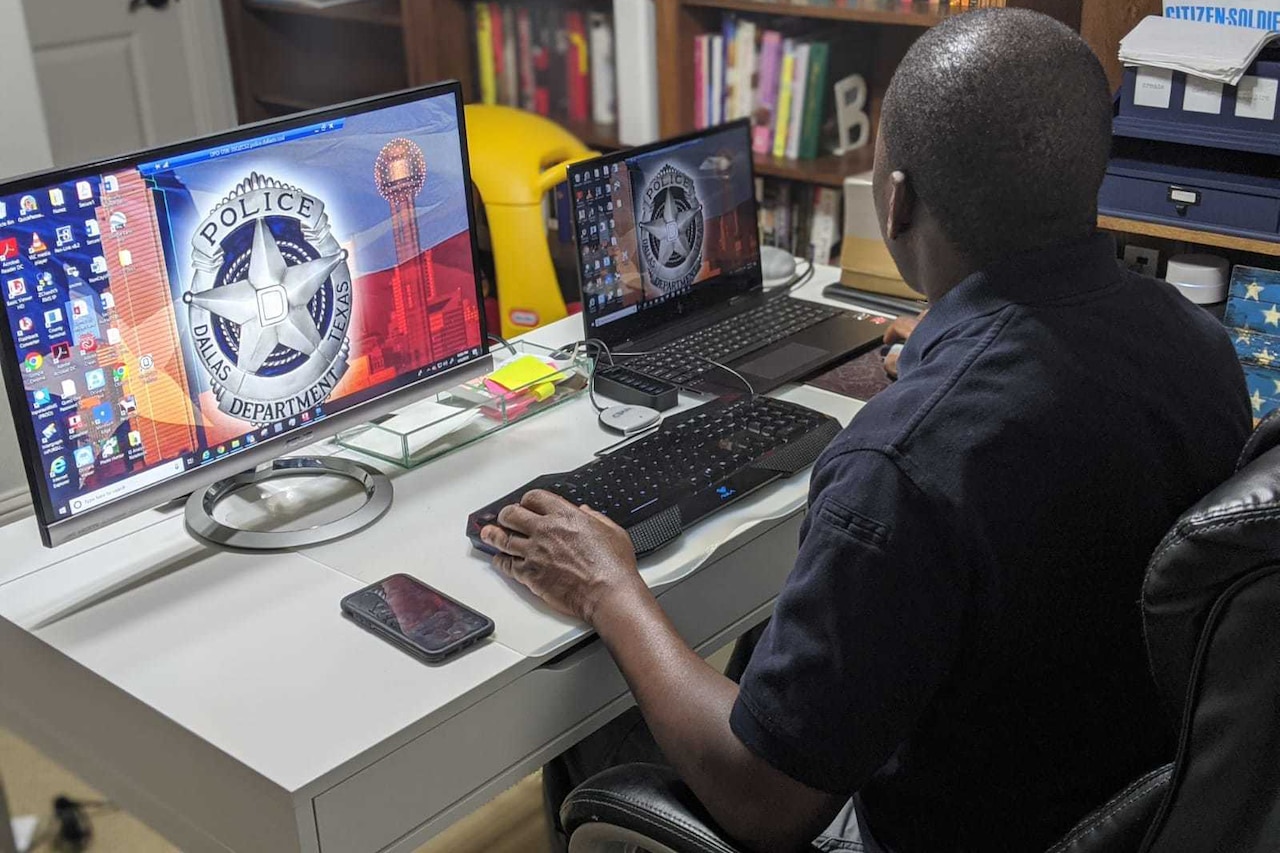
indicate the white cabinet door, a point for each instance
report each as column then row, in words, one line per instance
column 114, row 80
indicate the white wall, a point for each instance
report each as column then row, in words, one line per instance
column 24, row 147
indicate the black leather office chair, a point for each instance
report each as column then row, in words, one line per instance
column 1211, row 609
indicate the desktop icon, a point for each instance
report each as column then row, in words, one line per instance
column 26, row 324
column 4, row 210
column 69, row 270
column 32, row 361
column 17, row 287
column 56, row 198
column 79, row 308
column 84, row 457
column 98, row 266
column 38, row 245
column 84, row 191
column 119, row 373
column 52, row 317
column 95, row 379
column 110, row 447
column 118, row 220
column 60, row 352
column 49, row 433
column 135, row 438
column 102, row 414
column 204, row 457
column 147, row 362
column 91, row 229
column 222, row 448
column 235, row 444
column 63, row 235
column 8, row 249
column 69, row 389
column 58, row 467
column 88, row 343
column 41, row 397
column 27, row 204
column 113, row 336
column 126, row 258
column 110, row 183
column 108, row 301
column 74, row 422
column 128, row 407
column 249, row 439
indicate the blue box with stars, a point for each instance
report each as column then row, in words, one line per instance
column 1253, row 320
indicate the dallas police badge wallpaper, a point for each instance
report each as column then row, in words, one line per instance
column 180, row 310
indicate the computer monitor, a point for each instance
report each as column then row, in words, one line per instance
column 665, row 230
column 184, row 314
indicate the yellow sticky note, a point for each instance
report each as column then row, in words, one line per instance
column 522, row 371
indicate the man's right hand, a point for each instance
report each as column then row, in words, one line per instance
column 897, row 333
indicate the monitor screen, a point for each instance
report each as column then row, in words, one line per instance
column 667, row 225
column 171, row 310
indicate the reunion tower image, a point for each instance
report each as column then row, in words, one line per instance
column 400, row 173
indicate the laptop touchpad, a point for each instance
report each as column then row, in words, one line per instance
column 783, row 360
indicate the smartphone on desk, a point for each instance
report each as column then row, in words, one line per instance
column 420, row 620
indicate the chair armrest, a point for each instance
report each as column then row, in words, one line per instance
column 647, row 800
column 1120, row 825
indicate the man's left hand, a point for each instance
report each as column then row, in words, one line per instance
column 571, row 557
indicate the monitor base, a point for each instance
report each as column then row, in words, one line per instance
column 200, row 505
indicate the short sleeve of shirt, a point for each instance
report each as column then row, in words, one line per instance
column 863, row 633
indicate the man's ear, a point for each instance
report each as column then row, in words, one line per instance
column 900, row 210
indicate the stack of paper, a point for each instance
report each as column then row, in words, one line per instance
column 1211, row 51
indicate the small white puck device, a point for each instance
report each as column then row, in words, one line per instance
column 629, row 420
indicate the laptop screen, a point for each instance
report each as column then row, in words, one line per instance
column 664, row 230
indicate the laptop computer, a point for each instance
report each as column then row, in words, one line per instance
column 669, row 258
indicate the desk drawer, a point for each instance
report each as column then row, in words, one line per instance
column 1197, row 206
column 390, row 803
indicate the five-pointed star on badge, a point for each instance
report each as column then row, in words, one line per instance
column 1253, row 291
column 1265, row 358
column 270, row 304
column 1272, row 315
column 1257, row 401
column 669, row 228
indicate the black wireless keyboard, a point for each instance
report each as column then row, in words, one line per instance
column 687, row 358
column 697, row 462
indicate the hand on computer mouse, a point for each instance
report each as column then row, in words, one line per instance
column 573, row 558
column 897, row 333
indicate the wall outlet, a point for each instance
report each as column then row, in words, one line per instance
column 1141, row 259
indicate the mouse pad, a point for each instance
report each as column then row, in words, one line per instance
column 860, row 378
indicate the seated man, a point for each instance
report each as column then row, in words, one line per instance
column 956, row 661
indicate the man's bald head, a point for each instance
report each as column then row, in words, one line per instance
column 1001, row 121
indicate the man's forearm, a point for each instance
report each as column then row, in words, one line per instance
column 687, row 705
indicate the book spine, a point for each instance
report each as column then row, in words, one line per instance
column 814, row 98
column 748, row 75
column 559, row 84
column 542, row 40
column 825, row 227
column 499, row 56
column 799, row 81
column 783, row 118
column 484, row 49
column 767, row 94
column 730, row 36
column 700, row 82
column 578, row 70
column 511, row 59
column 603, row 72
column 636, row 56
column 717, row 79
column 524, row 46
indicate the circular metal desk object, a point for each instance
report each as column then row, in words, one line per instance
column 200, row 505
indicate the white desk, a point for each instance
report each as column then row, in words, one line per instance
column 221, row 698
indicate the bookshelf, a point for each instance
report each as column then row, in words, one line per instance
column 1190, row 235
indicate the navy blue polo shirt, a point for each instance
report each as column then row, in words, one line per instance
column 960, row 642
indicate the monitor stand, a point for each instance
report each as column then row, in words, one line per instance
column 200, row 507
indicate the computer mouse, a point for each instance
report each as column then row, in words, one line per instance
column 776, row 264
column 629, row 420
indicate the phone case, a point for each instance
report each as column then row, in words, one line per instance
column 353, row 612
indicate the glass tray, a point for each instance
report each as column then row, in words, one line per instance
column 466, row 413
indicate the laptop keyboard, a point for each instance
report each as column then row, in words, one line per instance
column 685, row 359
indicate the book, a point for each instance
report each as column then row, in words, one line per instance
column 824, row 231
column 497, row 46
column 783, row 117
column 603, row 73
column 511, row 61
column 815, row 88
column 730, row 36
column 525, row 55
column 701, row 71
column 745, row 58
column 577, row 66
column 636, row 55
column 799, row 82
column 484, row 49
column 717, row 79
column 767, row 92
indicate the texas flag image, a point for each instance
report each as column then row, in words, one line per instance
column 8, row 249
